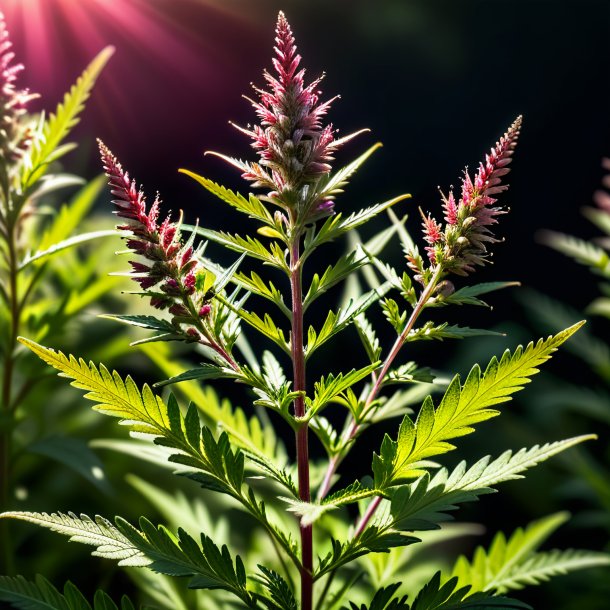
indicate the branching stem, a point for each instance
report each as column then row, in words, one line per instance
column 379, row 379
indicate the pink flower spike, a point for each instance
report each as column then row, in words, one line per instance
column 450, row 208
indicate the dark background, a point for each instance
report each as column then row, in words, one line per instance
column 436, row 81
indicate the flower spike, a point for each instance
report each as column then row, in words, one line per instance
column 171, row 264
column 15, row 136
column 463, row 243
column 294, row 147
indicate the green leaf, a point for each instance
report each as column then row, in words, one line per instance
column 265, row 326
column 333, row 184
column 64, row 245
column 208, row 566
column 254, row 283
column 70, row 216
column 384, row 600
column 430, row 331
column 395, row 316
column 372, row 540
column 450, row 596
column 336, row 322
column 252, row 207
column 336, row 225
column 326, row 389
column 579, row 250
column 280, row 595
column 99, row 532
column 347, row 264
column 513, row 563
column 40, row 594
column 45, row 146
column 423, row 504
column 460, row 408
column 210, row 462
column 468, row 294
column 368, row 337
column 75, row 454
column 274, row 255
column 153, row 547
column 203, row 371
column 252, row 436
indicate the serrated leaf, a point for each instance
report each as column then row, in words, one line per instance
column 436, row 595
column 254, row 283
column 252, row 206
column 514, row 563
column 331, row 386
column 337, row 225
column 430, row 332
column 468, row 294
column 368, row 337
column 336, row 322
column 274, row 255
column 384, row 600
column 279, row 594
column 45, row 146
column 333, row 184
column 424, row 503
column 265, row 326
column 460, row 408
column 204, row 371
column 334, row 274
column 99, row 532
column 579, row 250
column 40, row 594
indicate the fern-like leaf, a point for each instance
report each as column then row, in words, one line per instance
column 513, row 563
column 460, row 408
column 40, row 594
column 46, row 145
column 99, row 532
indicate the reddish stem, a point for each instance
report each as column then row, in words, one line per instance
column 298, row 363
column 400, row 341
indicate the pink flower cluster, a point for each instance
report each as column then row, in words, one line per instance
column 462, row 243
column 294, row 147
column 15, row 137
column 171, row 265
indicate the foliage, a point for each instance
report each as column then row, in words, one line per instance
column 49, row 277
column 301, row 531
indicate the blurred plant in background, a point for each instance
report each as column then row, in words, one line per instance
column 558, row 405
column 50, row 278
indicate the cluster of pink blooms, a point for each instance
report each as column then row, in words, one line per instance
column 294, row 147
column 15, row 137
column 462, row 243
column 172, row 266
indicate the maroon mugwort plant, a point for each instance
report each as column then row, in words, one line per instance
column 313, row 534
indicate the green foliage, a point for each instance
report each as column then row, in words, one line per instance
column 460, row 408
column 516, row 562
column 51, row 132
column 40, row 594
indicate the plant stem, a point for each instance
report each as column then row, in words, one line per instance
column 400, row 341
column 7, row 411
column 298, row 364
